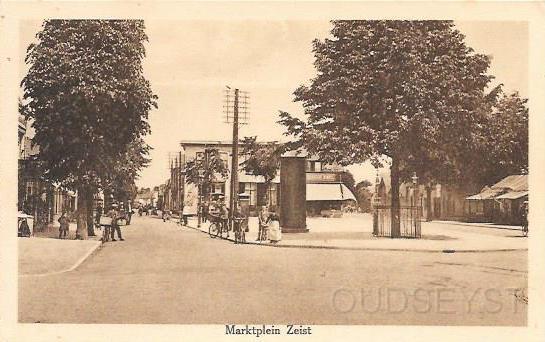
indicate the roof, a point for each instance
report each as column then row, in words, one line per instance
column 206, row 143
column 486, row 194
column 513, row 195
column 514, row 183
column 245, row 178
column 215, row 143
column 299, row 153
column 329, row 192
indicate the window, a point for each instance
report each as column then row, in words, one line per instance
column 251, row 189
column 273, row 194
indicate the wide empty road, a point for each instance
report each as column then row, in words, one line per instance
column 163, row 273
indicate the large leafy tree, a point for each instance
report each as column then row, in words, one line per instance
column 207, row 169
column 126, row 170
column 87, row 94
column 262, row 159
column 347, row 179
column 407, row 90
column 504, row 140
column 364, row 195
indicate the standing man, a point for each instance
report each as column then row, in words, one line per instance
column 65, row 224
column 114, row 214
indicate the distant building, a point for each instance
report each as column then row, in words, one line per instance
column 446, row 202
column 499, row 203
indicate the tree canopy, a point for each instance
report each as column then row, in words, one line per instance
column 88, row 97
column 262, row 158
column 408, row 90
column 389, row 88
column 210, row 166
column 503, row 149
column 348, row 179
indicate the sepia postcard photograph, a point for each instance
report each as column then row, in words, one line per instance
column 291, row 173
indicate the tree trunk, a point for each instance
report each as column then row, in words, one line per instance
column 428, row 203
column 82, row 212
column 90, row 223
column 395, row 210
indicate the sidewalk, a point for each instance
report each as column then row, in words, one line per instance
column 46, row 254
column 354, row 232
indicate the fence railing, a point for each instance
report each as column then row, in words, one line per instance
column 409, row 221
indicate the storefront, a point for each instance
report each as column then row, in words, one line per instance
column 328, row 199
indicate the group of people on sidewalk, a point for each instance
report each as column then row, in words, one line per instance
column 269, row 225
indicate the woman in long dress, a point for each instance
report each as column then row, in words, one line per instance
column 275, row 234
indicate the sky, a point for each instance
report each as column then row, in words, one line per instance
column 189, row 63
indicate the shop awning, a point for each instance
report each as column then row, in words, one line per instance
column 487, row 194
column 513, row 195
column 329, row 192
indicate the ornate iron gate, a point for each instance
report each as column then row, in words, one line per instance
column 409, row 221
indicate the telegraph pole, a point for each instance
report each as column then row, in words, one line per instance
column 237, row 111
column 181, row 186
column 234, row 164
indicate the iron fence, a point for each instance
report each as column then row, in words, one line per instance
column 409, row 221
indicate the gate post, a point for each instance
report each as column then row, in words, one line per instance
column 375, row 221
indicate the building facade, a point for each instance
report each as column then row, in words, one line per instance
column 43, row 200
column 325, row 190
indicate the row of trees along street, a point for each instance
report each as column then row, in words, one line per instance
column 413, row 94
column 87, row 97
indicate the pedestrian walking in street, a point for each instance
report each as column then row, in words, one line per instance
column 64, row 225
column 183, row 215
column 166, row 215
column 263, row 219
column 115, row 215
column 275, row 234
column 128, row 215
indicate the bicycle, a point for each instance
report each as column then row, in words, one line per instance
column 215, row 227
column 106, row 229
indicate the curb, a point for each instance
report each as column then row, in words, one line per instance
column 73, row 267
column 457, row 223
column 450, row 251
